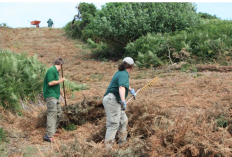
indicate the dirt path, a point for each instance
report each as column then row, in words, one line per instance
column 175, row 92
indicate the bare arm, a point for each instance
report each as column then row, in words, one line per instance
column 53, row 83
column 122, row 91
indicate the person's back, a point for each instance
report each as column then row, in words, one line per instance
column 50, row 23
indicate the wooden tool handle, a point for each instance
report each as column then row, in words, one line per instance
column 132, row 96
column 63, row 85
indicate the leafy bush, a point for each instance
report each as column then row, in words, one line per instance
column 148, row 50
column 207, row 16
column 74, row 33
column 121, row 23
column 103, row 50
column 89, row 34
column 21, row 77
column 207, row 42
column 91, row 43
column 75, row 27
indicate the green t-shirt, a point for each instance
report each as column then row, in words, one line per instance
column 50, row 23
column 51, row 91
column 120, row 78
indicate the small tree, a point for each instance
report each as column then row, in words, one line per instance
column 121, row 23
column 85, row 12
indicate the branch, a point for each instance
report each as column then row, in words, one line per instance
column 72, row 24
column 169, row 55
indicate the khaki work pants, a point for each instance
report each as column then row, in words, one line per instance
column 116, row 120
column 53, row 116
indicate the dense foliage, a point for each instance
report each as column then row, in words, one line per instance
column 121, row 23
column 207, row 16
column 81, row 20
column 157, row 33
column 21, row 77
column 209, row 41
column 74, row 33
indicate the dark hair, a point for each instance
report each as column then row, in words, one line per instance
column 58, row 61
column 123, row 66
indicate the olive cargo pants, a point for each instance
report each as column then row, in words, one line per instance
column 53, row 116
column 116, row 120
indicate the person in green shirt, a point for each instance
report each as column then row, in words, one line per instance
column 114, row 103
column 51, row 93
column 50, row 23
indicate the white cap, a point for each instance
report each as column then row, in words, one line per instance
column 128, row 60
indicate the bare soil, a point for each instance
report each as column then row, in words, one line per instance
column 181, row 107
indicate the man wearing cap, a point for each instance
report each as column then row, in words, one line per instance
column 50, row 23
column 114, row 102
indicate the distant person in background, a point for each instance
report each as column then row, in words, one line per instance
column 50, row 23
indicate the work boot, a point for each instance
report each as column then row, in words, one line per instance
column 49, row 139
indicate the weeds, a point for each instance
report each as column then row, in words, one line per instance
column 3, row 136
column 71, row 86
column 222, row 122
column 97, row 77
column 70, row 127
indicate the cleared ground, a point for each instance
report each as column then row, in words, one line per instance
column 178, row 115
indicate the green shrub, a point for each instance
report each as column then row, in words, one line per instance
column 85, row 12
column 21, row 77
column 71, row 127
column 205, row 43
column 91, row 43
column 103, row 50
column 75, row 33
column 121, row 23
column 148, row 50
column 222, row 122
column 3, row 136
column 207, row 16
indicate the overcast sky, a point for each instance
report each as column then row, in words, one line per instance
column 18, row 14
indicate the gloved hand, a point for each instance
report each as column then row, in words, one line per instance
column 132, row 91
column 123, row 105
